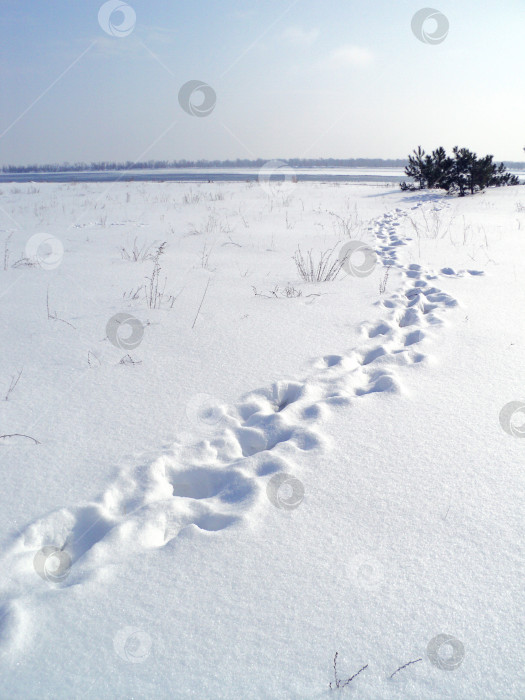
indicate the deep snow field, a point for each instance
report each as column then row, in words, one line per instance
column 211, row 498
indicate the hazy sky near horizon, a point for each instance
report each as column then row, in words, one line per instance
column 292, row 78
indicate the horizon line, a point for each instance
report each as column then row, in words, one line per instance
column 160, row 164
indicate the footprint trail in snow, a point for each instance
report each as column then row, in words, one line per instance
column 215, row 482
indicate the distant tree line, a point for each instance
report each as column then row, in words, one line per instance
column 462, row 172
column 238, row 163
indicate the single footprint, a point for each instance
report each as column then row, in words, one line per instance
column 373, row 355
column 382, row 328
column 382, row 383
column 333, row 360
column 197, row 483
column 409, row 318
column 413, row 337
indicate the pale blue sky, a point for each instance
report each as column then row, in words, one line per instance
column 337, row 78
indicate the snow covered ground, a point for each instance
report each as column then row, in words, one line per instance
column 211, row 498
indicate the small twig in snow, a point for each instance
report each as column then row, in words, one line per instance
column 20, row 435
column 202, row 300
column 53, row 316
column 230, row 242
column 14, row 382
column 404, row 666
column 128, row 360
column 338, row 682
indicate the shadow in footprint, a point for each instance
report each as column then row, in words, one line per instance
column 373, row 355
column 267, row 431
column 413, row 338
column 442, row 298
column 91, row 527
column 201, row 483
column 333, row 360
column 272, row 465
column 427, row 308
column 285, row 393
column 252, row 441
column 380, row 329
column 213, row 522
column 384, row 383
column 417, row 357
column 313, row 412
column 409, row 318
column 337, row 399
column 11, row 626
